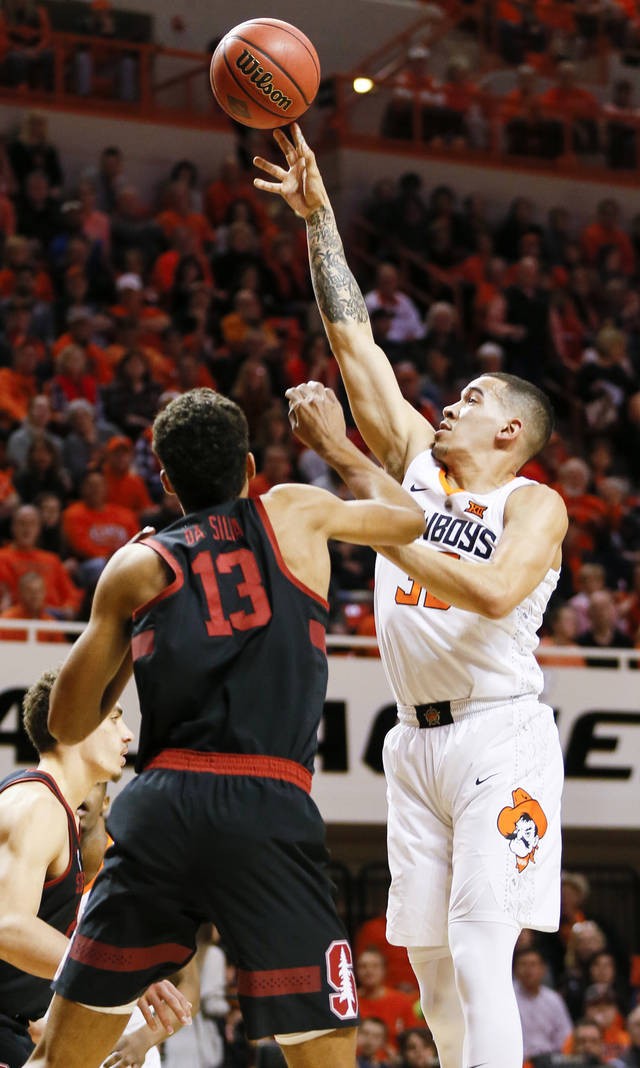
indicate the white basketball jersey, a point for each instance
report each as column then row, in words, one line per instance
column 435, row 652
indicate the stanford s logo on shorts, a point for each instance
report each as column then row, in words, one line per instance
column 523, row 824
column 344, row 1003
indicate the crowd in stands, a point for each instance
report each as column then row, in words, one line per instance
column 110, row 306
column 577, row 992
column 531, row 91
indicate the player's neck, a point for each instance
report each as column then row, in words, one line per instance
column 72, row 776
column 479, row 475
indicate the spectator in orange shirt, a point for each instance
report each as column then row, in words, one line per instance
column 585, row 509
column 132, row 305
column 232, row 185
column 79, row 332
column 96, row 224
column 30, row 605
column 372, row 935
column 62, row 598
column 18, row 254
column 605, row 232
column 573, row 104
column 178, row 212
column 462, row 99
column 415, row 92
column 377, row 999
column 124, row 487
column 95, row 529
column 71, row 381
column 601, row 1009
column 18, row 384
column 29, row 57
column 240, row 327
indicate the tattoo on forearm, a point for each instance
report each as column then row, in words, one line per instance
column 337, row 292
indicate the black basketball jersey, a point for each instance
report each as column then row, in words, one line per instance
column 20, row 993
column 230, row 657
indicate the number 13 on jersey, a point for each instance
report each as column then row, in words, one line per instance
column 413, row 593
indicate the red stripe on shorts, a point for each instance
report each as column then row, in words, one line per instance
column 110, row 958
column 279, row 981
column 264, row 767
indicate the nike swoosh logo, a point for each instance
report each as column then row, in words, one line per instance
column 418, row 489
column 479, row 783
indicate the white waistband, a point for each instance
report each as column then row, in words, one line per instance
column 465, row 707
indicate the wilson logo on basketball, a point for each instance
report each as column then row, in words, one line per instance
column 262, row 79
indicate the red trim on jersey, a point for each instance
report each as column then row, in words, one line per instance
column 110, row 958
column 266, row 522
column 318, row 635
column 143, row 644
column 72, row 826
column 256, row 764
column 279, row 981
column 173, row 587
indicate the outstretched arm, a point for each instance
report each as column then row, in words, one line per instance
column 535, row 526
column 392, row 428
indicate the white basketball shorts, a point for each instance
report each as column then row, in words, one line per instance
column 474, row 820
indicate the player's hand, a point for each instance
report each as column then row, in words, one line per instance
column 163, row 1004
column 129, row 1052
column 316, row 416
column 301, row 186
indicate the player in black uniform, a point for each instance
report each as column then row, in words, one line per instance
column 41, row 878
column 224, row 615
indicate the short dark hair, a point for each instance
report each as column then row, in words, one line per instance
column 202, row 440
column 535, row 404
column 35, row 712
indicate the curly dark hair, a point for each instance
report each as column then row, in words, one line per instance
column 202, row 440
column 35, row 710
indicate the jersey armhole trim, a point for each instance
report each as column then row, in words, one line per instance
column 266, row 522
column 176, row 584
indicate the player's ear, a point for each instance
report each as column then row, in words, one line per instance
column 166, row 482
column 251, row 466
column 510, row 431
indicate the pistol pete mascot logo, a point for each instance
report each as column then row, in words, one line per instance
column 523, row 824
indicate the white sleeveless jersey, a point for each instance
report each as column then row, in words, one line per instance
column 435, row 652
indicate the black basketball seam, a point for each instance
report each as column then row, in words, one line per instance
column 312, row 56
column 242, row 85
column 236, row 37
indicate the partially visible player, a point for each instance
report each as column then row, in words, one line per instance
column 41, row 877
column 474, row 768
column 224, row 614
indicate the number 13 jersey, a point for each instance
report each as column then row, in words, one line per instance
column 435, row 652
column 230, row 656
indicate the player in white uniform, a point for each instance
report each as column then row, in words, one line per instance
column 474, row 767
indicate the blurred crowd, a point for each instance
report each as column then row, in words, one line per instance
column 111, row 303
column 529, row 78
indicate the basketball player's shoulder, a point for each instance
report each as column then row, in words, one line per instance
column 135, row 573
column 29, row 809
column 304, row 502
column 534, row 499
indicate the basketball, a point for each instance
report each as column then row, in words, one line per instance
column 265, row 73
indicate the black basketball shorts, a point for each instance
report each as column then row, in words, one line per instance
column 243, row 851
